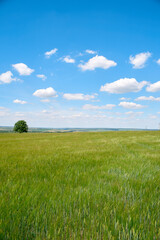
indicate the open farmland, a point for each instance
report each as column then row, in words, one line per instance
column 103, row 185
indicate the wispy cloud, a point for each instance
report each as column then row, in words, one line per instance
column 4, row 112
column 150, row 98
column 51, row 52
column 124, row 99
column 19, row 101
column 45, row 100
column 78, row 96
column 158, row 61
column 91, row 51
column 95, row 107
column 42, row 76
column 133, row 114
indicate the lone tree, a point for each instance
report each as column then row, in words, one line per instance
column 20, row 126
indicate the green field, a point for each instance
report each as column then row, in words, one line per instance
column 102, row 185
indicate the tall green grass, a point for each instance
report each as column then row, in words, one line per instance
column 80, row 186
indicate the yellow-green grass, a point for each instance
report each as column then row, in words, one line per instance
column 103, row 185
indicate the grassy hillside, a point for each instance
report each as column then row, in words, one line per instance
column 80, row 186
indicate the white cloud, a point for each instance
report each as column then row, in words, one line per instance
column 19, row 101
column 124, row 99
column 19, row 114
column 78, row 96
column 50, row 53
column 22, row 69
column 158, row 61
column 139, row 60
column 153, row 116
column 3, row 108
column 123, row 85
column 58, row 118
column 68, row 59
column 130, row 105
column 45, row 100
column 131, row 113
column 155, row 87
column 4, row 112
column 45, row 93
column 94, row 107
column 45, row 111
column 90, row 51
column 42, row 76
column 80, row 54
column 97, row 62
column 150, row 98
column 7, row 77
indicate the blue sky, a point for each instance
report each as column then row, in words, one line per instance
column 80, row 64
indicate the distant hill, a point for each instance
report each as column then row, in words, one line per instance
column 5, row 129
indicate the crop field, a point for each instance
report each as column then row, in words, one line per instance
column 97, row 185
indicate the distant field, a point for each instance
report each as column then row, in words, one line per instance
column 60, row 130
column 102, row 185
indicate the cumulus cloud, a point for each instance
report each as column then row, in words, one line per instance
column 158, row 61
column 150, row 98
column 51, row 52
column 42, row 76
column 45, row 93
column 90, row 51
column 78, row 96
column 6, row 77
column 68, row 59
column 94, row 107
column 123, row 85
column 22, row 69
column 155, row 87
column 130, row 105
column 139, row 60
column 19, row 101
column 97, row 62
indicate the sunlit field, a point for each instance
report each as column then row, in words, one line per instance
column 102, row 185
